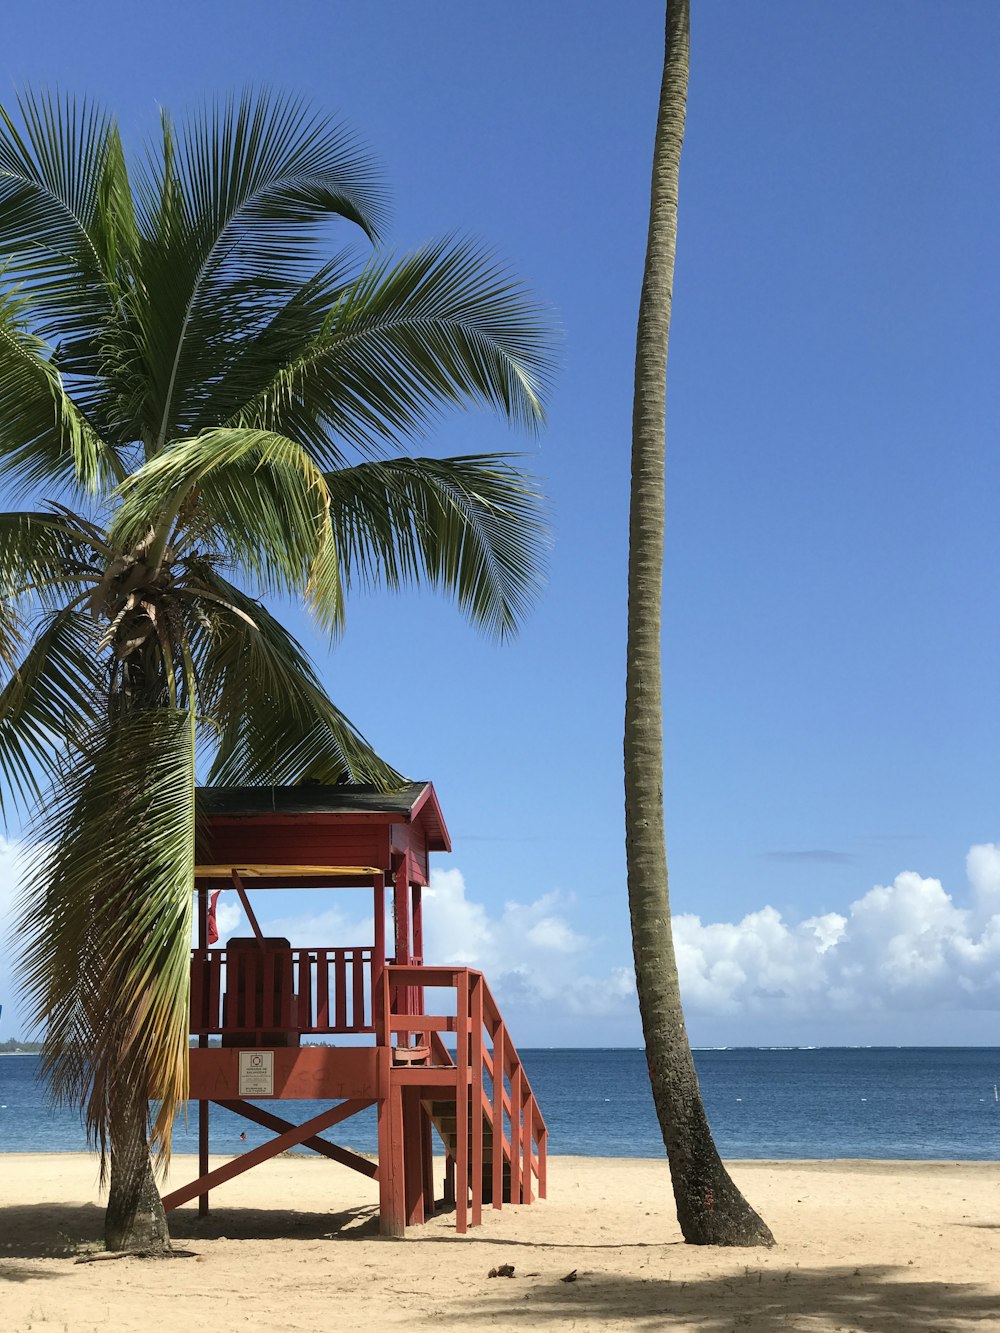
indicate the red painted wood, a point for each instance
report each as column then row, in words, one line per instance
column 304, row 1001
column 358, row 1016
column 515, row 1134
column 413, row 1156
column 497, row 1117
column 199, row 966
column 255, row 1156
column 476, row 1019
column 392, row 1186
column 378, row 951
column 322, row 990
column 417, row 917
column 462, row 1108
column 264, row 1013
column 270, row 844
column 427, row 1160
column 401, row 910
column 340, row 988
column 245, row 903
column 344, row 1156
column 312, row 1072
column 543, row 1151
column 526, row 1146
column 198, row 1001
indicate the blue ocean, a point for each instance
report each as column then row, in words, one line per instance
column 904, row 1103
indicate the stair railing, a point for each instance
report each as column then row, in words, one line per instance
column 476, row 1066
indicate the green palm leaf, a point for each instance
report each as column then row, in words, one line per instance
column 443, row 326
column 257, row 495
column 471, row 526
column 44, row 435
column 273, row 722
column 107, row 971
column 47, row 704
column 234, row 212
column 54, row 178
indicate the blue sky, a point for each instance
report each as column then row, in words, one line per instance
column 832, row 639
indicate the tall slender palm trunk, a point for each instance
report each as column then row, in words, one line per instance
column 710, row 1208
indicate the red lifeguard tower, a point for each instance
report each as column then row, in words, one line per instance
column 262, row 998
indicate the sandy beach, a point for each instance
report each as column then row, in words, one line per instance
column 294, row 1245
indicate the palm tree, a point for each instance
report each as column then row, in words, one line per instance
column 710, row 1209
column 203, row 408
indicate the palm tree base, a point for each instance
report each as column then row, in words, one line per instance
column 135, row 1220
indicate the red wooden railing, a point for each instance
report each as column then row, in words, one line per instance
column 281, row 990
column 483, row 1048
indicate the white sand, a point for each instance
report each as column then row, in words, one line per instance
column 293, row 1245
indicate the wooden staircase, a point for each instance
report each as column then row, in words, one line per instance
column 444, row 1116
column 477, row 1097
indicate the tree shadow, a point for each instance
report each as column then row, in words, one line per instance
column 242, row 1223
column 60, row 1231
column 758, row 1300
column 49, row 1230
column 10, row 1272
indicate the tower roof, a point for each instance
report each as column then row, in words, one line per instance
column 411, row 803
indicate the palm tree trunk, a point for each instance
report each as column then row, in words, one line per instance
column 710, row 1208
column 135, row 1219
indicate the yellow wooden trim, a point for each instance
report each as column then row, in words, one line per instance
column 298, row 871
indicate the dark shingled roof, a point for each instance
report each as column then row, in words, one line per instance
column 313, row 799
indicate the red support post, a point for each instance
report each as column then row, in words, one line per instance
column 499, row 1059
column 476, row 1098
column 462, row 1107
column 413, row 1156
column 515, row 1134
column 427, row 1159
column 378, row 949
column 526, row 1149
column 202, row 1043
column 418, row 922
column 543, row 1150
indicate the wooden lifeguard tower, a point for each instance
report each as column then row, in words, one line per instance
column 262, row 998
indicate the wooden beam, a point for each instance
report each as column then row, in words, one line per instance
column 255, row 1156
column 332, row 1150
column 238, row 885
column 218, row 871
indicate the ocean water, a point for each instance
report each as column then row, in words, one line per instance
column 909, row 1102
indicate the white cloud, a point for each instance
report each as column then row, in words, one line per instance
column 901, row 947
column 530, row 952
column 905, row 948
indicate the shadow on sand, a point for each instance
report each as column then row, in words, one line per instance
column 835, row 1298
column 60, row 1231
column 753, row 1298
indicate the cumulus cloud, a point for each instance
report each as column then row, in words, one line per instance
column 905, row 948
column 529, row 951
column 902, row 946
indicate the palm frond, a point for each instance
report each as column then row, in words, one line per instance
column 471, row 526
column 272, row 721
column 259, row 497
column 44, row 435
column 107, row 921
column 45, row 559
column 444, row 326
column 232, row 214
column 52, row 241
column 49, row 702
